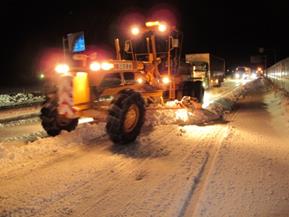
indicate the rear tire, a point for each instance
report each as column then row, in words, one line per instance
column 68, row 124
column 188, row 88
column 199, row 91
column 194, row 89
column 48, row 116
column 50, row 120
column 125, row 117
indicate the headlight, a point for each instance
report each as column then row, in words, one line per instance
column 166, row 80
column 237, row 75
column 94, row 66
column 62, row 68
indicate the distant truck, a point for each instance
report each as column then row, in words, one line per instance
column 207, row 68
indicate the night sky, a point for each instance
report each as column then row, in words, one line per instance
column 232, row 29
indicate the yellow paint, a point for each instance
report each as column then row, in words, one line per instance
column 81, row 92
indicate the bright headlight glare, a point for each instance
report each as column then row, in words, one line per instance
column 162, row 27
column 166, row 80
column 62, row 68
column 135, row 30
column 254, row 76
column 139, row 80
column 94, row 66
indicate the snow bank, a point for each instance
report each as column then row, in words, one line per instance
column 213, row 112
column 285, row 103
column 19, row 99
column 279, row 103
column 283, row 95
column 225, row 104
column 20, row 120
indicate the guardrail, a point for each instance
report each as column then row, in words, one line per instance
column 279, row 74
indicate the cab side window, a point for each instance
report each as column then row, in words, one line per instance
column 111, row 80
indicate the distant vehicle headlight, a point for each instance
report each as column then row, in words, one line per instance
column 237, row 75
column 254, row 76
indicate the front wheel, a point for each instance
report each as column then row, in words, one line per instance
column 125, row 117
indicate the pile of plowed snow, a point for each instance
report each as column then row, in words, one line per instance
column 213, row 112
column 225, row 104
column 279, row 100
column 7, row 100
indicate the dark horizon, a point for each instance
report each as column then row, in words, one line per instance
column 232, row 30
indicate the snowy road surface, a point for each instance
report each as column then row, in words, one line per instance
column 236, row 168
column 250, row 173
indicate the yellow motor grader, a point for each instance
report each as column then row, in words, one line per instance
column 116, row 91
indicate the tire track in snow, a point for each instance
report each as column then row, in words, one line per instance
column 197, row 189
column 193, row 199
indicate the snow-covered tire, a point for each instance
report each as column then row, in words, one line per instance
column 70, row 125
column 48, row 116
column 125, row 117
